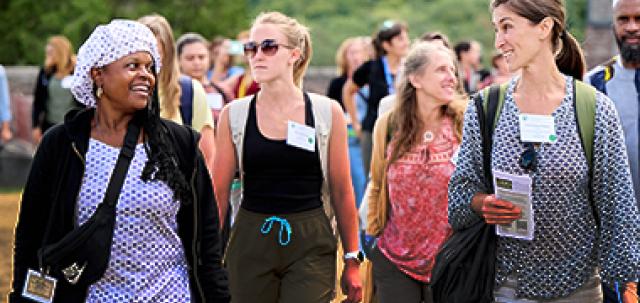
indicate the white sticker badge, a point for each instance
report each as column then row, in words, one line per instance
column 537, row 128
column 215, row 101
column 301, row 136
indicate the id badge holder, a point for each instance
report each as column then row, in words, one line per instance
column 39, row 286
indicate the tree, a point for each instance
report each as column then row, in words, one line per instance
column 25, row 25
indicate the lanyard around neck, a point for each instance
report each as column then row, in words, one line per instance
column 388, row 76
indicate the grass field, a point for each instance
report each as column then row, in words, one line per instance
column 8, row 213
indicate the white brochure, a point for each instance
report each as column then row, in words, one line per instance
column 517, row 190
column 537, row 128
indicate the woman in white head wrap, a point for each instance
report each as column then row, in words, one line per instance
column 165, row 245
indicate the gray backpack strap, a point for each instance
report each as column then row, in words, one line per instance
column 238, row 114
column 322, row 115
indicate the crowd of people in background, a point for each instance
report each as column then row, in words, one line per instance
column 244, row 187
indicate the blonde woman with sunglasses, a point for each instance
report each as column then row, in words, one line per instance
column 290, row 148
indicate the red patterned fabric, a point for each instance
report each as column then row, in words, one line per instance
column 417, row 224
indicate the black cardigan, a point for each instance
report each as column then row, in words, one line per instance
column 53, row 189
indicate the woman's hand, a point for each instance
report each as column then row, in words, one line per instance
column 6, row 134
column 630, row 293
column 351, row 284
column 495, row 211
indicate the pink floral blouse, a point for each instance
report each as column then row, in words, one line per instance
column 417, row 225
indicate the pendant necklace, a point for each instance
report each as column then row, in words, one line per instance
column 427, row 136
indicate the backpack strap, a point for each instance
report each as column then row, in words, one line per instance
column 584, row 104
column 186, row 100
column 323, row 117
column 609, row 71
column 603, row 74
column 489, row 109
column 238, row 114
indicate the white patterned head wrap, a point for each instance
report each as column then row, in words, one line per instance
column 107, row 44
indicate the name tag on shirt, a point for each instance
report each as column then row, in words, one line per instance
column 215, row 101
column 301, row 136
column 39, row 287
column 66, row 82
column 537, row 128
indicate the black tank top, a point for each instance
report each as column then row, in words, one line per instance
column 279, row 178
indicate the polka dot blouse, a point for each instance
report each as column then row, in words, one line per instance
column 147, row 261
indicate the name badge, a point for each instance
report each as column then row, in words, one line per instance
column 301, row 136
column 537, row 129
column 39, row 287
column 66, row 82
column 214, row 101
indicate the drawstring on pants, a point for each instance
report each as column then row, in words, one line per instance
column 284, row 225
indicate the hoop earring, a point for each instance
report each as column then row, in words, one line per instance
column 99, row 92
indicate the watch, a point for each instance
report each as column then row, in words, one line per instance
column 358, row 256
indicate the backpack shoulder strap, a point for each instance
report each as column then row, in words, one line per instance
column 186, row 100
column 323, row 118
column 494, row 99
column 321, row 108
column 238, row 113
column 584, row 104
column 584, row 99
column 609, row 70
column 488, row 109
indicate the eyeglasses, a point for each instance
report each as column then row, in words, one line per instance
column 269, row 47
column 529, row 157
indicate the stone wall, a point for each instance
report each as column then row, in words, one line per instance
column 15, row 156
column 599, row 44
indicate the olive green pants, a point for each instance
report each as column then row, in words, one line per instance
column 266, row 264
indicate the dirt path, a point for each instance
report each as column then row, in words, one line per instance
column 8, row 213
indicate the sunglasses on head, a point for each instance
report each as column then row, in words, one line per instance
column 529, row 157
column 269, row 47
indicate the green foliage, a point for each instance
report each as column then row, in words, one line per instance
column 26, row 24
column 333, row 21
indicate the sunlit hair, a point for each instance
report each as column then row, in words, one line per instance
column 342, row 64
column 63, row 60
column 168, row 85
column 243, row 35
column 297, row 36
column 569, row 56
column 405, row 116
